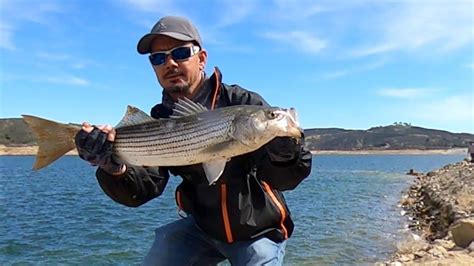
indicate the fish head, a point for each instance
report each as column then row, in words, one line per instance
column 264, row 124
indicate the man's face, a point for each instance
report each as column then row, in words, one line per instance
column 178, row 78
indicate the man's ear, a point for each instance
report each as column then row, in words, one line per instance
column 202, row 56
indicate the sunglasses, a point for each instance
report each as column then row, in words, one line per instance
column 178, row 54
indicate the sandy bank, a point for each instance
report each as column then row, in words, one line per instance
column 24, row 150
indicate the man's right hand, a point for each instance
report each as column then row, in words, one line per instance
column 94, row 145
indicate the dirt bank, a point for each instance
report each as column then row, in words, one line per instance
column 454, row 151
column 24, row 150
column 440, row 208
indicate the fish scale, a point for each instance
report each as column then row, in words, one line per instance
column 169, row 148
column 128, row 139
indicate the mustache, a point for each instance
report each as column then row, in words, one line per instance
column 172, row 72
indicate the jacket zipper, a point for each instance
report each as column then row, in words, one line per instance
column 279, row 206
column 225, row 214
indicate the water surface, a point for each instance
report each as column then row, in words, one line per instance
column 344, row 213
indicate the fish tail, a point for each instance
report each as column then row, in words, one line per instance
column 54, row 139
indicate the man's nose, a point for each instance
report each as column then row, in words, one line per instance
column 169, row 61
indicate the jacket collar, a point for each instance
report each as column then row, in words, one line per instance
column 203, row 95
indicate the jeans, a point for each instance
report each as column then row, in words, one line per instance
column 182, row 242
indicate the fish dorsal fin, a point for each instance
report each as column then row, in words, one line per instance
column 185, row 107
column 134, row 116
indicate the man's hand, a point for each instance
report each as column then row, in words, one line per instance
column 284, row 149
column 94, row 145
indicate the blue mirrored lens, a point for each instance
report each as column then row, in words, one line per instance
column 157, row 59
column 181, row 53
column 178, row 54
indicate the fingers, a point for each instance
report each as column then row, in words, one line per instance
column 109, row 130
column 87, row 127
column 93, row 141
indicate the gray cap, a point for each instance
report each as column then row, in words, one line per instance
column 175, row 27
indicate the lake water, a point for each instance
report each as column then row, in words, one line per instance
column 344, row 213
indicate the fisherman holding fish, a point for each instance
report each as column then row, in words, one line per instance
column 234, row 153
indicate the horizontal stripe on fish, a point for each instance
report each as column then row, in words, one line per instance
column 197, row 140
column 197, row 132
column 166, row 132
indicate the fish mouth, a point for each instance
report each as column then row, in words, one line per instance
column 294, row 132
column 294, row 129
column 293, row 117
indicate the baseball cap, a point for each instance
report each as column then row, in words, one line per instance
column 175, row 27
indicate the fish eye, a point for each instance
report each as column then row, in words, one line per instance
column 272, row 115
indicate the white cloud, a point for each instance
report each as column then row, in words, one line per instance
column 153, row 6
column 299, row 39
column 411, row 25
column 303, row 9
column 77, row 63
column 405, row 93
column 240, row 10
column 336, row 74
column 357, row 69
column 67, row 80
column 53, row 56
column 6, row 36
column 453, row 108
column 15, row 13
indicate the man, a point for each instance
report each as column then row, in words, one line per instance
column 243, row 217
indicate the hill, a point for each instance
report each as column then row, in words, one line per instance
column 15, row 132
column 393, row 137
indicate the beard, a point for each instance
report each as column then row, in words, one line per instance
column 180, row 88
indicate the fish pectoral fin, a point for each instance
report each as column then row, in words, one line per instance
column 214, row 170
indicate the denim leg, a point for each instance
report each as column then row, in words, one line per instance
column 262, row 251
column 182, row 243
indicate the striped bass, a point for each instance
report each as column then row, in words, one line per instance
column 192, row 135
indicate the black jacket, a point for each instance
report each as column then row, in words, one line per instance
column 246, row 202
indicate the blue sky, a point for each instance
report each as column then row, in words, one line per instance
column 347, row 64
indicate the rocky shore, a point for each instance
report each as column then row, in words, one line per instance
column 440, row 209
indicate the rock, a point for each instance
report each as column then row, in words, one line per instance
column 440, row 209
column 445, row 243
column 406, row 258
column 420, row 254
column 463, row 232
column 432, row 173
column 471, row 247
column 438, row 251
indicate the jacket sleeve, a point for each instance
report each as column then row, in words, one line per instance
column 136, row 186
column 285, row 175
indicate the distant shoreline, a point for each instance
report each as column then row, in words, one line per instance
column 31, row 150
column 24, row 150
column 454, row 151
